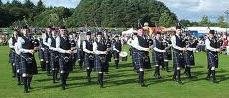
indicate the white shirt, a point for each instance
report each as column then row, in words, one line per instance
column 173, row 40
column 10, row 42
column 95, row 46
column 134, row 43
column 44, row 39
column 155, row 48
column 85, row 49
column 20, row 42
column 49, row 44
column 58, row 46
column 208, row 47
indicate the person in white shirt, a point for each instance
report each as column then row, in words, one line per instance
column 63, row 46
column 212, row 47
column 159, row 50
column 178, row 54
column 26, row 48
column 89, row 56
column 12, row 53
column 140, row 46
column 101, row 62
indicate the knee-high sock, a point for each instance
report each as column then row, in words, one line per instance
column 25, row 82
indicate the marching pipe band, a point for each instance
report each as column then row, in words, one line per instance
column 59, row 50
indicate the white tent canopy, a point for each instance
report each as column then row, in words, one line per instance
column 206, row 29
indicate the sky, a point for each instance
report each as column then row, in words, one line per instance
column 185, row 9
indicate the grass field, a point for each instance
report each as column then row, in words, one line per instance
column 120, row 83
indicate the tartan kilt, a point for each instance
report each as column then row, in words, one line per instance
column 47, row 55
column 109, row 56
column 80, row 54
column 101, row 62
column 18, row 63
column 65, row 62
column 178, row 59
column 168, row 54
column 153, row 57
column 189, row 58
column 89, row 60
column 212, row 58
column 138, row 59
column 28, row 64
column 159, row 58
column 54, row 60
column 146, row 60
column 11, row 56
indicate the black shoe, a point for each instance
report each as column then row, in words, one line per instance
column 26, row 91
column 63, row 87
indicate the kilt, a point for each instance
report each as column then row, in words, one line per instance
column 54, row 60
column 178, row 59
column 146, row 60
column 153, row 58
column 11, row 56
column 109, row 56
column 138, row 59
column 89, row 60
column 18, row 64
column 168, row 54
column 28, row 64
column 47, row 55
column 189, row 58
column 212, row 58
column 101, row 62
column 80, row 54
column 65, row 63
column 159, row 58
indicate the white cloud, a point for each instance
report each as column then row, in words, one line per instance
column 195, row 9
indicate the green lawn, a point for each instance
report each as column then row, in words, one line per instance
column 120, row 83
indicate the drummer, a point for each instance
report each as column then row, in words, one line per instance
column 117, row 48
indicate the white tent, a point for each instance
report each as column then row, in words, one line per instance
column 206, row 29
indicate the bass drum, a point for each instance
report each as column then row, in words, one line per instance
column 123, row 55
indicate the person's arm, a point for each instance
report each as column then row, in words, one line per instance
column 85, row 49
column 173, row 40
column 10, row 42
column 58, row 46
column 22, row 50
column 208, row 47
column 136, row 45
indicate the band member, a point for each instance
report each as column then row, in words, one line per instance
column 189, row 55
column 12, row 53
column 89, row 56
column 54, row 55
column 159, row 50
column 117, row 48
column 27, row 50
column 212, row 47
column 73, row 45
column 101, row 62
column 63, row 46
column 129, row 42
column 178, row 53
column 41, row 53
column 45, row 37
column 140, row 46
column 168, row 53
column 17, row 59
column 80, row 51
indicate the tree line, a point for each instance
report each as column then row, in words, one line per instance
column 95, row 13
